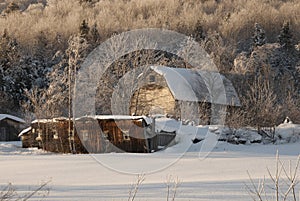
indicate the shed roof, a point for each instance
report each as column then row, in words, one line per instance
column 197, row 85
column 117, row 117
column 103, row 117
column 11, row 117
column 50, row 120
column 26, row 130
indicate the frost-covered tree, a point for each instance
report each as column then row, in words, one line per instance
column 41, row 47
column 15, row 78
column 260, row 103
column 285, row 37
column 9, row 51
column 62, row 77
column 259, row 36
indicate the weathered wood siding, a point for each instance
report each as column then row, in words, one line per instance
column 164, row 138
column 91, row 135
column 53, row 136
column 9, row 130
column 29, row 140
column 104, row 136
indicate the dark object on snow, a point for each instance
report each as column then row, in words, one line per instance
column 196, row 140
column 287, row 121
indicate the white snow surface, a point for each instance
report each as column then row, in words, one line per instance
column 8, row 116
column 288, row 131
column 205, row 173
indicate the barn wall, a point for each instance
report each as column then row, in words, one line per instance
column 53, row 136
column 152, row 99
column 152, row 96
column 29, row 140
column 105, row 135
column 9, row 130
column 90, row 136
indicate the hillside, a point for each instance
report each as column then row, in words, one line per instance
column 39, row 38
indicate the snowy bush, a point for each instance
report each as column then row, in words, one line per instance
column 283, row 183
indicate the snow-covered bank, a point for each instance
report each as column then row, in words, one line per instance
column 208, row 169
column 15, row 148
column 220, row 176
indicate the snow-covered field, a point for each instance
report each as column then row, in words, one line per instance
column 220, row 176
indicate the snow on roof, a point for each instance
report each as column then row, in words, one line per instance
column 11, row 117
column 49, row 120
column 166, row 125
column 112, row 117
column 118, row 117
column 24, row 131
column 201, row 86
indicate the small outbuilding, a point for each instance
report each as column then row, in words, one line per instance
column 116, row 133
column 52, row 135
column 10, row 126
column 95, row 134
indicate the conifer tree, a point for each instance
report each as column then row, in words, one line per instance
column 4, row 41
column 8, row 50
column 95, row 36
column 285, row 37
column 41, row 47
column 84, row 29
column 199, row 34
column 259, row 37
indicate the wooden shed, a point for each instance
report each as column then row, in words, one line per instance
column 52, row 135
column 10, row 126
column 110, row 133
column 93, row 134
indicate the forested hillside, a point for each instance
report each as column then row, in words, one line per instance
column 256, row 43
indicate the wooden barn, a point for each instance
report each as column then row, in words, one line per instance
column 96, row 134
column 10, row 126
column 169, row 91
column 52, row 135
column 110, row 133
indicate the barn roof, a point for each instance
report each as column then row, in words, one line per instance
column 200, row 86
column 11, row 117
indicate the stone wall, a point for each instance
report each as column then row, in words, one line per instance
column 152, row 99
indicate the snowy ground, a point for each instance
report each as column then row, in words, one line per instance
column 220, row 176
